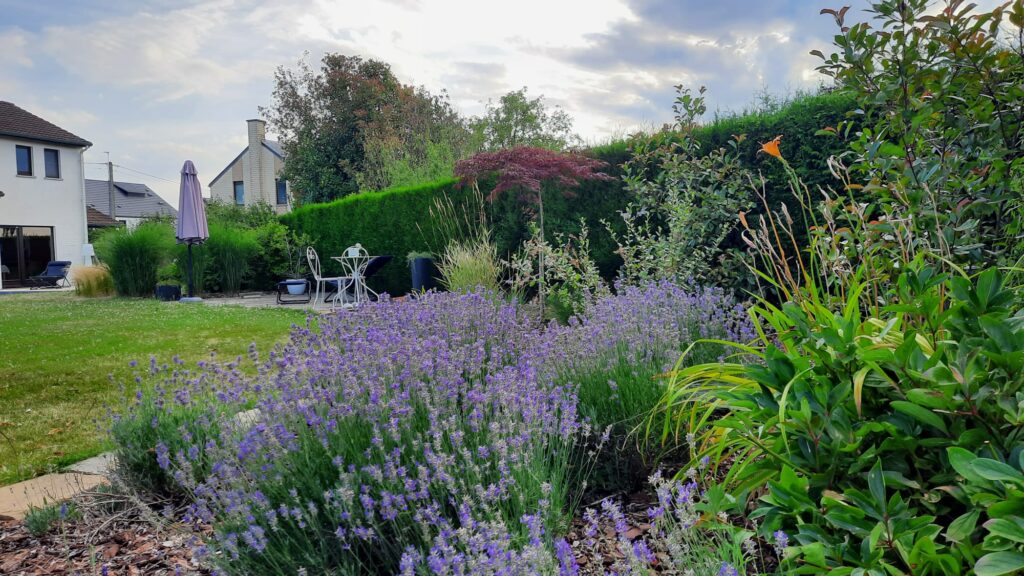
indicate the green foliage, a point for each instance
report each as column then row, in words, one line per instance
column 135, row 255
column 40, row 521
column 941, row 126
column 419, row 140
column 247, row 216
column 518, row 120
column 202, row 266
column 395, row 221
column 848, row 418
column 168, row 274
column 571, row 277
column 591, row 202
column 352, row 125
column 595, row 202
column 231, row 251
column 686, row 205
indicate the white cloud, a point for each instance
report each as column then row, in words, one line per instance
column 156, row 83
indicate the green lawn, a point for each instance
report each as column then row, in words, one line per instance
column 57, row 352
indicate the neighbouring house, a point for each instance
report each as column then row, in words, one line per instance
column 133, row 202
column 254, row 175
column 42, row 195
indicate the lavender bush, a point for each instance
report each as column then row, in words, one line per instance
column 443, row 435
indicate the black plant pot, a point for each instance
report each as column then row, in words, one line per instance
column 423, row 273
column 168, row 292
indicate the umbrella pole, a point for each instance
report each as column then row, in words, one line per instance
column 191, row 286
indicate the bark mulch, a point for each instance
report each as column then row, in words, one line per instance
column 108, row 535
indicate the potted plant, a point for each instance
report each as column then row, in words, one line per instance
column 294, row 267
column 423, row 270
column 168, row 285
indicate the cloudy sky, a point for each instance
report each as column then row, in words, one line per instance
column 156, row 82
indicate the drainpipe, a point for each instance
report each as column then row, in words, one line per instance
column 85, row 203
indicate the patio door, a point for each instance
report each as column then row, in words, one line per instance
column 24, row 252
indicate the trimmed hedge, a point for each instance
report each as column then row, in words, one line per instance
column 797, row 123
column 394, row 221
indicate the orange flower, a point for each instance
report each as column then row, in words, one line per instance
column 772, row 147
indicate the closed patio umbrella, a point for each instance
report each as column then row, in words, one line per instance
column 192, row 228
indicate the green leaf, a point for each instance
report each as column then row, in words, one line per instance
column 999, row 563
column 921, row 414
column 960, row 530
column 1006, row 528
column 876, row 482
column 961, row 461
column 995, row 470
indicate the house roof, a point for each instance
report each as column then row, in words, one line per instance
column 274, row 147
column 97, row 219
column 133, row 200
column 18, row 123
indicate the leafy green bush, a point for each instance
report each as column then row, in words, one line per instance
column 232, row 250
column 135, row 255
column 849, row 418
column 394, row 221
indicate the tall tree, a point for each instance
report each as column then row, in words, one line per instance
column 418, row 139
column 517, row 120
column 321, row 118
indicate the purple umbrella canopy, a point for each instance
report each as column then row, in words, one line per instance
column 192, row 228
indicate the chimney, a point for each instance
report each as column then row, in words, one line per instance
column 254, row 185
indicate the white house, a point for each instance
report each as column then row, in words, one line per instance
column 42, row 195
column 254, row 175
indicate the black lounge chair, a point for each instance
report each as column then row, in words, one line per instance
column 55, row 275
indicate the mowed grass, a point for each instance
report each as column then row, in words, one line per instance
column 58, row 352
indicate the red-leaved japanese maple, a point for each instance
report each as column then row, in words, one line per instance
column 526, row 170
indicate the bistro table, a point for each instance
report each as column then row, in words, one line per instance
column 353, row 264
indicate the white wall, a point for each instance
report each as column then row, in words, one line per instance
column 39, row 201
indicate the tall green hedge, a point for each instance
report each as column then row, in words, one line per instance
column 394, row 221
column 797, row 123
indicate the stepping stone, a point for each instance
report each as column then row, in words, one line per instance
column 16, row 499
column 102, row 465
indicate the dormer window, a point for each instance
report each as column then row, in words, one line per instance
column 24, row 158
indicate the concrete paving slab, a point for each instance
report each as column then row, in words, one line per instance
column 17, row 499
column 102, row 465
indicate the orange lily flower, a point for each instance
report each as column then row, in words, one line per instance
column 772, row 147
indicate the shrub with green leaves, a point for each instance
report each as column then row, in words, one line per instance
column 850, row 419
column 134, row 255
